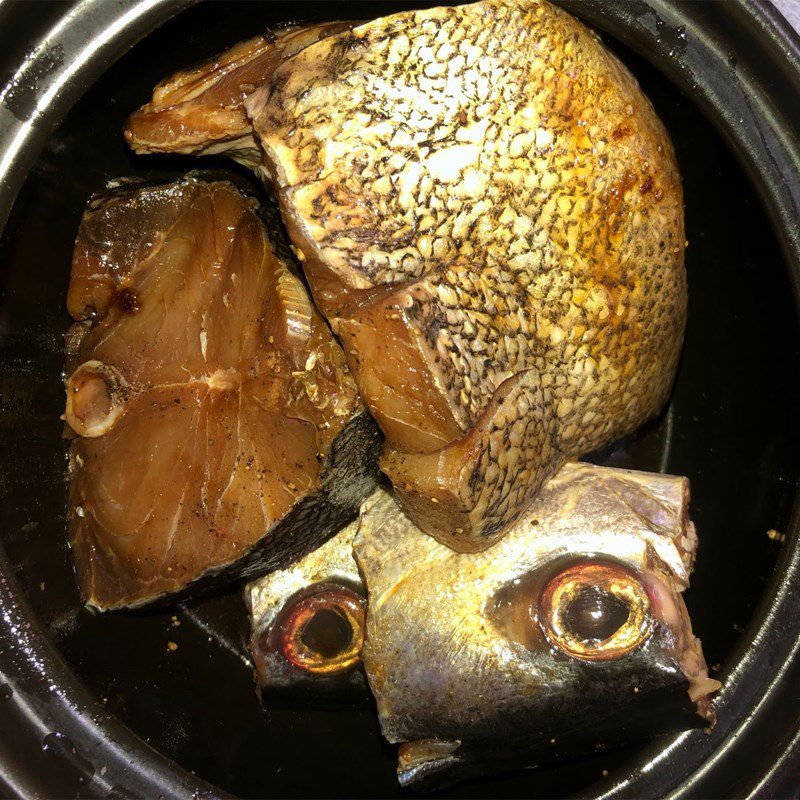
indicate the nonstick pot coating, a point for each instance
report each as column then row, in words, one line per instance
column 731, row 426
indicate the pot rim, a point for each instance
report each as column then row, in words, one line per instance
column 740, row 62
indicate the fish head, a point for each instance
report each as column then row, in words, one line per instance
column 566, row 636
column 307, row 621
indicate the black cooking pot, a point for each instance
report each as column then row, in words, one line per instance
column 99, row 706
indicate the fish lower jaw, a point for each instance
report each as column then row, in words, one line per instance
column 701, row 686
column 671, row 611
column 418, row 760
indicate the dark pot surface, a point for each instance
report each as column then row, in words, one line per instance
column 731, row 426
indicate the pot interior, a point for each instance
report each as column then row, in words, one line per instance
column 730, row 426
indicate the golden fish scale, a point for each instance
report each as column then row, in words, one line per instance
column 505, row 170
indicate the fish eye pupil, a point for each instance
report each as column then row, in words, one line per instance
column 327, row 633
column 595, row 614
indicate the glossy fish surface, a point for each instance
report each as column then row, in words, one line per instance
column 490, row 215
column 308, row 620
column 216, row 430
column 566, row 636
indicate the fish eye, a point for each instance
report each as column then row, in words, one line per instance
column 322, row 632
column 595, row 612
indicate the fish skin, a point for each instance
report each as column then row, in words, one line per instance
column 239, row 442
column 331, row 563
column 482, row 194
column 465, row 679
column 201, row 110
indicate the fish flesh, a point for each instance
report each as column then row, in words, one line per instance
column 201, row 110
column 568, row 635
column 490, row 215
column 217, row 432
column 307, row 620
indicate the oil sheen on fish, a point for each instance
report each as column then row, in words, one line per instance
column 566, row 636
column 201, row 110
column 308, row 620
column 217, row 431
column 490, row 214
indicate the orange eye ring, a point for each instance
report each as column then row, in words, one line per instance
column 323, row 632
column 595, row 611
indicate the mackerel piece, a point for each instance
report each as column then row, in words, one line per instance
column 567, row 636
column 216, row 431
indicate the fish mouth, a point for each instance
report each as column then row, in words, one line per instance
column 669, row 609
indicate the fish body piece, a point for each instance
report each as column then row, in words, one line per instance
column 490, row 215
column 201, row 110
column 566, row 636
column 217, row 431
column 307, row 620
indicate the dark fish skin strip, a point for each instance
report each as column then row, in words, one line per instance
column 231, row 440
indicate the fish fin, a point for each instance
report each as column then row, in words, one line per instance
column 201, row 110
column 469, row 492
column 418, row 761
column 191, row 111
column 661, row 502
